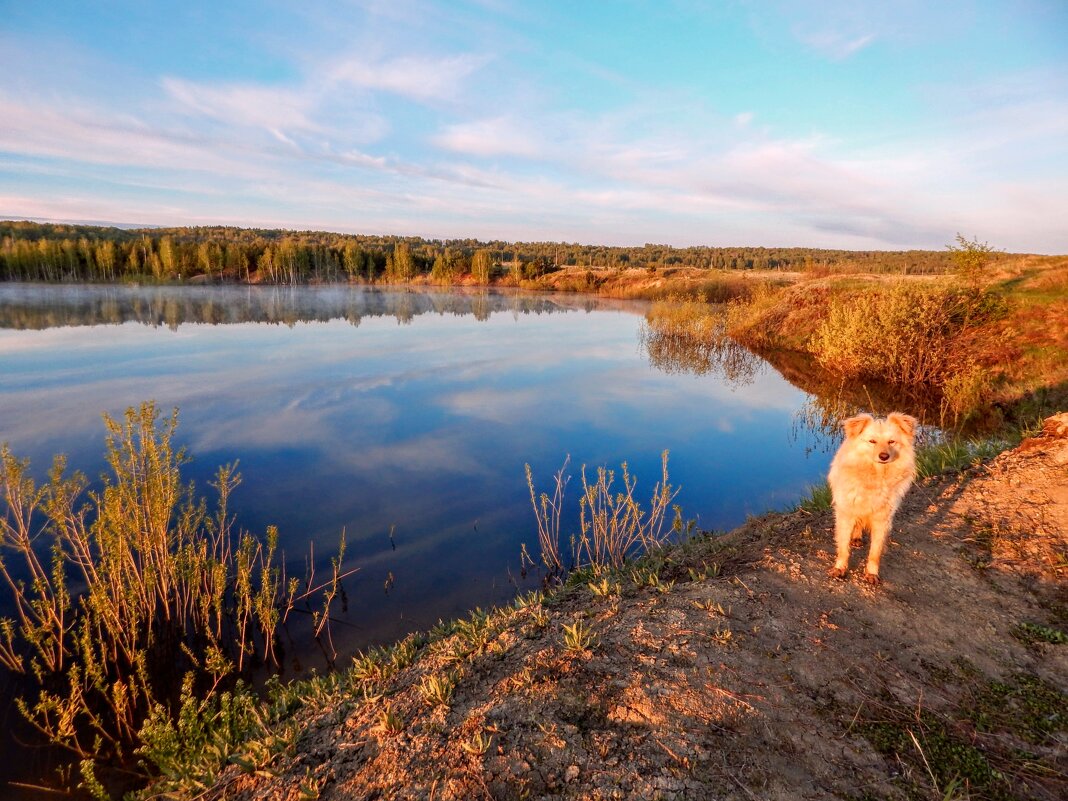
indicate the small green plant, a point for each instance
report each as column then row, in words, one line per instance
column 1036, row 633
column 310, row 787
column 436, row 689
column 476, row 631
column 604, row 588
column 189, row 752
column 723, row 636
column 539, row 617
column 390, row 723
column 578, row 638
column 479, row 744
column 706, row 571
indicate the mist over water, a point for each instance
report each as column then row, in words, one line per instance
column 366, row 410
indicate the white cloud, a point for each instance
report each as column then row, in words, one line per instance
column 419, row 78
column 496, row 136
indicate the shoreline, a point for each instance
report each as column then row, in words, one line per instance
column 729, row 667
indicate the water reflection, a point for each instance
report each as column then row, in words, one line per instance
column 422, row 428
column 719, row 356
column 40, row 306
column 816, row 423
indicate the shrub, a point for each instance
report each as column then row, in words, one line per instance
column 169, row 591
column 904, row 334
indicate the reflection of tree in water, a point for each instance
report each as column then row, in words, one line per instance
column 35, row 306
column 687, row 337
column 720, row 355
column 831, row 400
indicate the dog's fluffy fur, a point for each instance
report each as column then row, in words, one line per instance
column 869, row 477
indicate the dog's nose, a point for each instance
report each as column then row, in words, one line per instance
column 884, row 457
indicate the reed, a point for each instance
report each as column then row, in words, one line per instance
column 613, row 524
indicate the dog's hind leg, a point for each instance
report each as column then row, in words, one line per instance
column 844, row 526
column 880, row 531
column 856, row 539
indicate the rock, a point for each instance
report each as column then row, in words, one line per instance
column 572, row 773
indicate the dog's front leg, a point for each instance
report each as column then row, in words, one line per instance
column 880, row 531
column 844, row 526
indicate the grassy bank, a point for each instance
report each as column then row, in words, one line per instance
column 998, row 345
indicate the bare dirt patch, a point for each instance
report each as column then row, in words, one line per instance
column 733, row 668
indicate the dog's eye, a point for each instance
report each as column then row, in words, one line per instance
column 893, row 442
column 871, row 441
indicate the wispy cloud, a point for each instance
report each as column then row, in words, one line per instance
column 420, row 78
column 835, row 44
column 496, row 136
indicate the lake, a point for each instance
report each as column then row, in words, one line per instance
column 373, row 411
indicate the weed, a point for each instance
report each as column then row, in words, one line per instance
column 723, row 636
column 476, row 631
column 613, row 525
column 532, row 599
column 309, row 788
column 390, row 723
column 437, row 689
column 605, row 588
column 479, row 744
column 712, row 606
column 1032, row 633
column 169, row 588
column 578, row 638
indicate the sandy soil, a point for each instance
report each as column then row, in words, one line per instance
column 737, row 669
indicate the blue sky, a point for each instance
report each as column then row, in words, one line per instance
column 882, row 125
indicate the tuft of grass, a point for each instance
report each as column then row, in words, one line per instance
column 818, row 499
column 613, row 525
column 956, row 455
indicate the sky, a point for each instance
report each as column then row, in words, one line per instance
column 841, row 124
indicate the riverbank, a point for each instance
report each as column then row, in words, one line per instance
column 990, row 352
column 730, row 667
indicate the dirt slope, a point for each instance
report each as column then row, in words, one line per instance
column 737, row 669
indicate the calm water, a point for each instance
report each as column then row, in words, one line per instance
column 367, row 410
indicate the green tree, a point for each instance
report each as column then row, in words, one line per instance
column 481, row 265
column 403, row 263
column 970, row 259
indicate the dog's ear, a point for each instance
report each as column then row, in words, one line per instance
column 907, row 423
column 854, row 425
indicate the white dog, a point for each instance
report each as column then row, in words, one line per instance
column 869, row 477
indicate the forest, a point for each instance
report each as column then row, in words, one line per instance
column 31, row 251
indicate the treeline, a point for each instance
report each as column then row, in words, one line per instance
column 32, row 251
